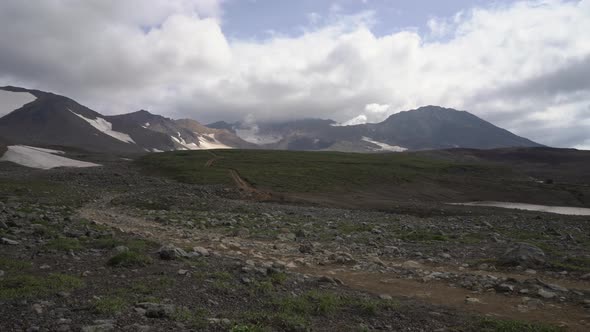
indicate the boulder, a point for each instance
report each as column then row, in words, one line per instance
column 200, row 251
column 170, row 252
column 523, row 254
column 546, row 294
column 157, row 310
column 9, row 242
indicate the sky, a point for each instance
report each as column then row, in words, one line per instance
column 522, row 65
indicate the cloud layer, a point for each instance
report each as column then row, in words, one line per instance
column 524, row 66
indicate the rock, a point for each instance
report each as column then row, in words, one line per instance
column 330, row 280
column 63, row 294
column 531, row 303
column 287, row 237
column 120, row 249
column 306, row 248
column 38, row 229
column 555, row 287
column 530, row 271
column 171, row 252
column 241, row 232
column 183, row 272
column 99, row 328
column 445, row 256
column 483, row 267
column 302, row 233
column 157, row 310
column 546, row 294
column 523, row 254
column 137, row 328
column 385, row 297
column 201, row 251
column 2, row 273
column 37, row 308
column 472, row 300
column 504, row 288
column 377, row 260
column 585, row 276
column 391, row 250
column 411, row 265
column 9, row 242
column 279, row 265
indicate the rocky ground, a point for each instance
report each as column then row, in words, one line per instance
column 108, row 249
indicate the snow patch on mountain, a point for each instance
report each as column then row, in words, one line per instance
column 107, row 128
column 10, row 101
column 185, row 145
column 34, row 157
column 384, row 146
column 209, row 142
column 206, row 142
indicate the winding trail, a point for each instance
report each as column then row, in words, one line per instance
column 240, row 182
column 211, row 161
column 435, row 292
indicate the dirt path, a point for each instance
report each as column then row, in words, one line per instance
column 242, row 184
column 435, row 292
column 212, row 161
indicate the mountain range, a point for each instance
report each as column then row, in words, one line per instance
column 47, row 119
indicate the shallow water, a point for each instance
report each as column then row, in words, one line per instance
column 576, row 211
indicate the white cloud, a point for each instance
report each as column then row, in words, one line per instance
column 173, row 58
column 373, row 113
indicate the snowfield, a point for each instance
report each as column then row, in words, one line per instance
column 34, row 157
column 10, row 101
column 384, row 146
column 206, row 142
column 107, row 128
column 211, row 143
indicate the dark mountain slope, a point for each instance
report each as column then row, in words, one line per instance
column 434, row 127
column 57, row 120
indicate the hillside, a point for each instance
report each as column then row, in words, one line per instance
column 54, row 120
column 349, row 179
column 435, row 127
column 425, row 128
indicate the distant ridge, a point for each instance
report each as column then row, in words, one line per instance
column 51, row 119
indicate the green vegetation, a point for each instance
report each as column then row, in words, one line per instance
column 580, row 264
column 110, row 305
column 423, row 236
column 248, row 328
column 13, row 264
column 296, row 312
column 193, row 318
column 129, row 259
column 498, row 325
column 26, row 286
column 111, row 242
column 289, row 171
column 278, row 278
column 472, row 238
column 64, row 244
column 34, row 191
